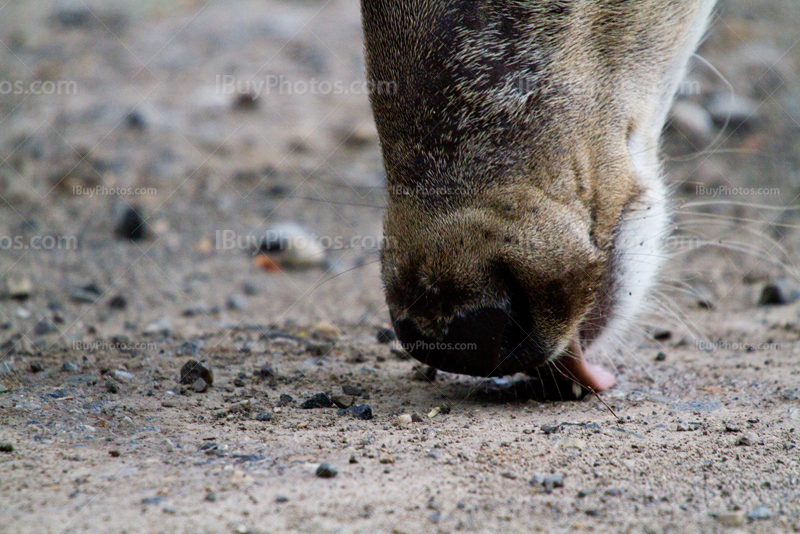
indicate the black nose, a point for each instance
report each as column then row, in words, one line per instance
column 484, row 342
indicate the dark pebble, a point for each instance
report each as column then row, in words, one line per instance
column 118, row 302
column 246, row 102
column 238, row 382
column 386, row 335
column 320, row 400
column 211, row 497
column 130, row 224
column 662, row 335
column 69, row 367
column 285, row 400
column 264, row 416
column 361, row 411
column 326, row 470
column 114, row 454
column 423, row 373
column 86, row 294
column 267, row 372
column 44, row 327
column 660, row 357
column 347, row 389
column 778, row 293
column 6, row 447
column 36, row 367
column 551, row 429
column 280, row 499
column 200, row 385
column 135, row 121
column 112, row 386
column 192, row 370
column 353, row 460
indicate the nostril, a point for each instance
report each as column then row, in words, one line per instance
column 471, row 344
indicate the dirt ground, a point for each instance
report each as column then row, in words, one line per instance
column 98, row 435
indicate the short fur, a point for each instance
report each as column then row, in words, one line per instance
column 521, row 149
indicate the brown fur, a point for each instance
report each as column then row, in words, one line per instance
column 506, row 145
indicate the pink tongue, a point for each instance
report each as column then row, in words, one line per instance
column 592, row 377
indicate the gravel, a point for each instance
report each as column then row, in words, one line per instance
column 192, row 370
column 326, row 470
column 320, row 400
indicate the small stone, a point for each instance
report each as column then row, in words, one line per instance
column 386, row 335
column 551, row 429
column 241, row 529
column 730, row 519
column 404, row 419
column 238, row 382
column 320, row 400
column 748, row 439
column 361, row 411
column 118, row 302
column 36, row 367
column 353, row 460
column 537, row 479
column 88, row 294
column 264, row 417
column 555, row 480
column 45, row 327
column 732, row 427
column 285, row 400
column 343, row 401
column 211, row 497
column 280, row 499
column 19, row 287
column 6, row 447
column 3, row 389
column 682, row 427
column 250, row 290
column 246, row 102
column 662, row 335
column 267, row 373
column 734, row 109
column 423, row 373
column 161, row 327
column 192, row 370
column 326, row 470
column 759, row 513
column 112, row 386
column 123, row 376
column 199, row 385
column 660, row 357
column 129, row 223
column 693, row 122
column 585, row 493
column 135, row 121
column 114, row 453
column 573, row 443
column 347, row 389
column 69, row 367
column 236, row 302
column 778, row 293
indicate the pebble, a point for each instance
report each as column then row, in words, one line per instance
column 211, row 497
column 134, row 120
column 551, row 429
column 386, row 335
column 285, row 400
column 19, row 287
column 118, row 302
column 23, row 313
column 69, row 367
column 250, row 290
column 36, row 367
column 778, row 293
column 199, row 385
column 555, row 480
column 123, row 376
column 3, row 389
column 188, row 349
column 320, row 400
column 423, row 373
column 343, row 401
column 361, row 411
column 683, row 427
column 86, row 294
column 747, row 439
column 280, row 499
column 660, row 357
column 129, row 223
column 537, row 479
column 112, row 386
column 347, row 389
column 236, row 302
column 734, row 109
column 730, row 519
column 45, row 327
column 692, row 121
column 759, row 513
column 326, row 470
column 404, row 419
column 267, row 372
column 161, row 327
column 264, row 416
column 353, row 460
column 192, row 370
column 6, row 447
column 295, row 247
